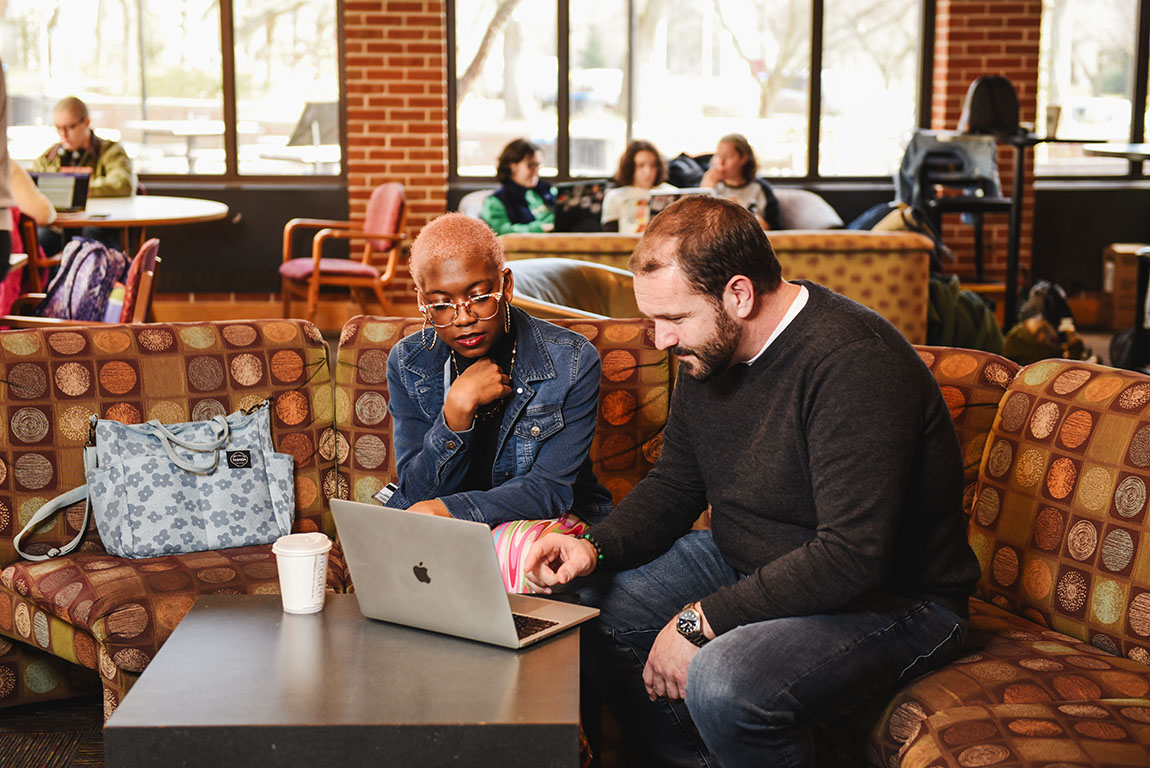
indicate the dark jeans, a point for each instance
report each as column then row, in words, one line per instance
column 755, row 694
column 53, row 240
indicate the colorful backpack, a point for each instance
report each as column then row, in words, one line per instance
column 81, row 287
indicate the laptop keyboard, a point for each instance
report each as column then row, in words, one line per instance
column 525, row 626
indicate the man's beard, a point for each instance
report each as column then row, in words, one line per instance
column 714, row 355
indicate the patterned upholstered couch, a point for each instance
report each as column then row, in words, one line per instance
column 1056, row 670
column 887, row 271
column 61, row 619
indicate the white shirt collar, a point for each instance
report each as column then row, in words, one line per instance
column 792, row 312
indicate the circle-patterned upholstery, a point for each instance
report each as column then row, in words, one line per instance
column 102, row 612
column 1060, row 509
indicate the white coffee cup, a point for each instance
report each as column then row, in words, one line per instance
column 302, row 562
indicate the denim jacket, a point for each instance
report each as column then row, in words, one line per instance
column 542, row 465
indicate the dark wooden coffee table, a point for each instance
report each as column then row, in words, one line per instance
column 241, row 683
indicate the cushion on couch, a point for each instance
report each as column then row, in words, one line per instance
column 1009, row 661
column 547, row 287
column 1060, row 512
column 803, row 209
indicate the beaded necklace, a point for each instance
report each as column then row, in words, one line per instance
column 490, row 410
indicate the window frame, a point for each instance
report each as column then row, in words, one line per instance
column 231, row 175
column 1138, row 100
column 811, row 179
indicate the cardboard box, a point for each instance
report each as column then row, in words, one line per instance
column 1119, row 285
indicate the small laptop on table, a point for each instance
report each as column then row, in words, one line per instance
column 67, row 190
column 579, row 205
column 441, row 574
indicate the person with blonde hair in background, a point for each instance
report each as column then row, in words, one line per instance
column 732, row 175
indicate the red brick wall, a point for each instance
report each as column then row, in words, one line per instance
column 396, row 80
column 991, row 37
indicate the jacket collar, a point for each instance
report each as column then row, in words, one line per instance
column 532, row 361
column 93, row 149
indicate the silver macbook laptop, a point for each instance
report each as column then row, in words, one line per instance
column 441, row 574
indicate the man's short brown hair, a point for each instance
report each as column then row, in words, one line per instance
column 717, row 239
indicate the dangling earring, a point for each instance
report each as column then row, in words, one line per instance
column 507, row 318
column 423, row 336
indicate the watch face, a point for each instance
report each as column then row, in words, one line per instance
column 688, row 623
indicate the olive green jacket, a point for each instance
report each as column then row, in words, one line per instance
column 111, row 167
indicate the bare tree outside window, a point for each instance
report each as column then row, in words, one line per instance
column 151, row 74
column 700, row 70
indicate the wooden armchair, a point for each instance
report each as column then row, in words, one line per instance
column 383, row 234
column 37, row 261
column 140, row 284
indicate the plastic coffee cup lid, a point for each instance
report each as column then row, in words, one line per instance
column 299, row 544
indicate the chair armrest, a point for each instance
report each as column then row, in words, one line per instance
column 324, row 235
column 26, row 301
column 295, row 224
column 360, row 235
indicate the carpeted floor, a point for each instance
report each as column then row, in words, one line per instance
column 62, row 734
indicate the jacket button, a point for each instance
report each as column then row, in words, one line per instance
column 519, row 391
column 535, row 431
column 451, row 445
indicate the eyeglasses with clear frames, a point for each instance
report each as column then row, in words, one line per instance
column 483, row 306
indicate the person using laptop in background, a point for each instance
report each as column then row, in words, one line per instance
column 29, row 199
column 641, row 172
column 493, row 410
column 80, row 147
column 732, row 175
column 522, row 203
column 837, row 565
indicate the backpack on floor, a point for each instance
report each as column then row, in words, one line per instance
column 80, row 289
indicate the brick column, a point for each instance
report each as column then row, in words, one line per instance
column 396, row 81
column 980, row 37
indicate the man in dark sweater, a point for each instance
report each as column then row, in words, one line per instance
column 837, row 566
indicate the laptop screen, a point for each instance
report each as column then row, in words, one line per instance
column 67, row 191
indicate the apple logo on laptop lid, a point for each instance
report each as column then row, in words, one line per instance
column 420, row 572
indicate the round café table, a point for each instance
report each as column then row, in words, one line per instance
column 138, row 212
column 1133, row 152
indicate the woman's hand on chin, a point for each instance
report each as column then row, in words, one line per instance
column 433, row 507
column 483, row 382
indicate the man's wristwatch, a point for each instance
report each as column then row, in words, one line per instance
column 689, row 622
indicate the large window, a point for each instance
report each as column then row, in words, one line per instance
column 156, row 76
column 581, row 77
column 1086, row 86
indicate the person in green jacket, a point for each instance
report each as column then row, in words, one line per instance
column 522, row 203
column 79, row 147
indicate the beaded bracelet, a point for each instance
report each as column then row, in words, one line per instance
column 591, row 540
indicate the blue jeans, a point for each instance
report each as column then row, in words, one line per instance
column 757, row 694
